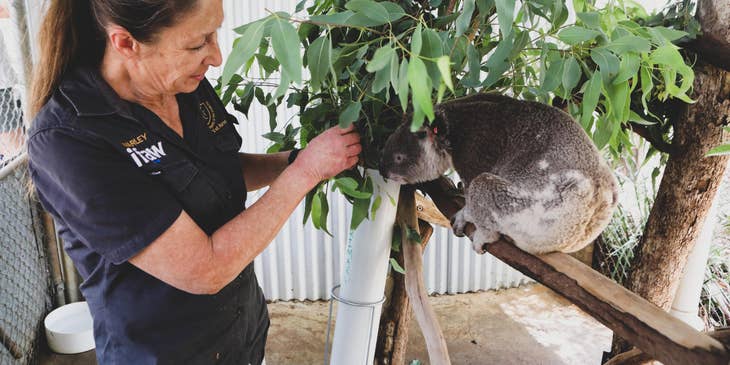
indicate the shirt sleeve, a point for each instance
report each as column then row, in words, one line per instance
column 109, row 205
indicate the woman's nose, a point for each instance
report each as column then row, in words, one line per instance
column 215, row 58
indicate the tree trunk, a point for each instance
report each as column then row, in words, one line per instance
column 686, row 192
column 395, row 319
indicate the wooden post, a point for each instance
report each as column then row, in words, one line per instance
column 407, row 218
column 397, row 314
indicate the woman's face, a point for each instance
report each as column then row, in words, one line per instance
column 177, row 60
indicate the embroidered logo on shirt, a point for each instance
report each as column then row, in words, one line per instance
column 206, row 111
column 135, row 141
column 151, row 154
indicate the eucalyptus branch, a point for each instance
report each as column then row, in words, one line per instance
column 644, row 132
column 450, row 7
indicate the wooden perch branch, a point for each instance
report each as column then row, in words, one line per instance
column 438, row 353
column 645, row 325
column 636, row 356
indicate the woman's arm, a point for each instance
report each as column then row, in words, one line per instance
column 188, row 259
column 260, row 170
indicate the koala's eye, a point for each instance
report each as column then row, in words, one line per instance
column 421, row 134
column 398, row 158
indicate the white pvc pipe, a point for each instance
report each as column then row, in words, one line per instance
column 363, row 281
column 687, row 299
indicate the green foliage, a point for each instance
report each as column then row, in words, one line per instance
column 378, row 64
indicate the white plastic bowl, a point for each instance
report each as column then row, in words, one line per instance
column 70, row 329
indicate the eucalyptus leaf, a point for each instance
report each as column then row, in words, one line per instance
column 421, row 87
column 719, row 151
column 360, row 206
column 628, row 69
column 243, row 50
column 571, row 75
column 607, row 62
column 381, row 58
column 395, row 11
column 444, row 65
column 646, row 86
column 319, row 61
column 285, row 41
column 417, row 40
column 505, row 15
column 403, row 85
column 308, row 205
column 629, row 43
column 348, row 186
column 670, row 34
column 376, row 205
column 399, row 269
column 576, row 34
column 371, row 9
column 325, row 208
column 590, row 19
column 317, row 211
column 350, row 114
column 590, row 98
column 464, row 20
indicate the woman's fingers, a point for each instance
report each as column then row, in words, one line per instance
column 345, row 130
column 352, row 161
column 354, row 150
column 351, row 138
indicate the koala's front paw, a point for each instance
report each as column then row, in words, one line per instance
column 458, row 223
column 483, row 237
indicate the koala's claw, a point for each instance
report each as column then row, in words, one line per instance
column 458, row 224
column 483, row 237
column 480, row 248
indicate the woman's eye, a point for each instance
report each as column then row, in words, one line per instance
column 198, row 48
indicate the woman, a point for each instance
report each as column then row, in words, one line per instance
column 136, row 159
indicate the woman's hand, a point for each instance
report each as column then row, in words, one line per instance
column 330, row 153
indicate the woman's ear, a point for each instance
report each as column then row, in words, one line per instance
column 122, row 41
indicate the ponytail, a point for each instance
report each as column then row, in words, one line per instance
column 67, row 37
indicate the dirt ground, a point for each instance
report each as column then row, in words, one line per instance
column 527, row 325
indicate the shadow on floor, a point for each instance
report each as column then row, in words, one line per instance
column 526, row 325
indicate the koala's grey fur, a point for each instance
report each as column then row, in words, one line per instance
column 529, row 171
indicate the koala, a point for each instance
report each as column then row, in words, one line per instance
column 529, row 171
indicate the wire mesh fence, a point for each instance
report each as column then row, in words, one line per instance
column 25, row 295
column 13, row 59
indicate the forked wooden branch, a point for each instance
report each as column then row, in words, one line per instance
column 636, row 356
column 438, row 353
column 645, row 325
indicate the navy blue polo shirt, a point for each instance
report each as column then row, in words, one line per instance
column 115, row 177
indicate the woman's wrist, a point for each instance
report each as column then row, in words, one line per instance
column 303, row 174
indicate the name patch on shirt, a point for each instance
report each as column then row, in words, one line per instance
column 135, row 141
column 208, row 115
column 151, row 154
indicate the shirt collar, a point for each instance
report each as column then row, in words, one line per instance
column 91, row 96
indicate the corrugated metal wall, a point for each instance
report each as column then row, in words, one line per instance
column 303, row 263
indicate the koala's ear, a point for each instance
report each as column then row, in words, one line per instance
column 439, row 128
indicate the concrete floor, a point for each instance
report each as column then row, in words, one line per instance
column 527, row 325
